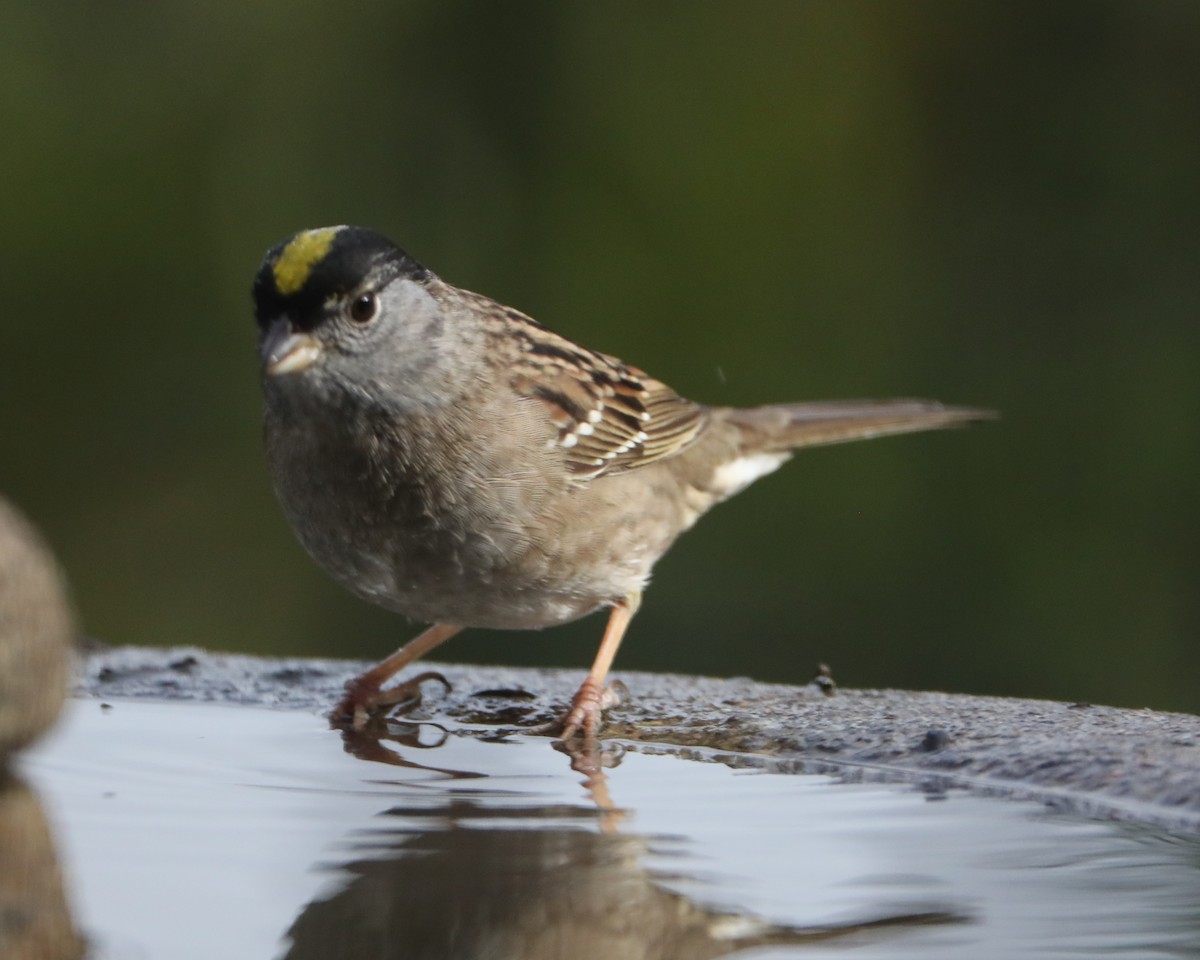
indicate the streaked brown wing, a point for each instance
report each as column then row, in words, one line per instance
column 610, row 416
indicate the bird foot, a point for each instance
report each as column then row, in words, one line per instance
column 366, row 700
column 585, row 717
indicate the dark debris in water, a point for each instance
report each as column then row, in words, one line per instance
column 1137, row 765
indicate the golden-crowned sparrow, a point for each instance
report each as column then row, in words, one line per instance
column 449, row 458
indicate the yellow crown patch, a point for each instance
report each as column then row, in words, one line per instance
column 296, row 261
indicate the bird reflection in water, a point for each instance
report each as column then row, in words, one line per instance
column 484, row 876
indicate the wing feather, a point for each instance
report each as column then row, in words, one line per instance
column 610, row 417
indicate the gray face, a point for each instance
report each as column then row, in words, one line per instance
column 356, row 324
column 371, row 342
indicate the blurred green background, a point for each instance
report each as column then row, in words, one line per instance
column 990, row 203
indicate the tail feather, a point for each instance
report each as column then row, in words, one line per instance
column 788, row 426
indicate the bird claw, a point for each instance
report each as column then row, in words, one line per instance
column 365, row 700
column 586, row 716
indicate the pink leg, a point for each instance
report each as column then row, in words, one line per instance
column 588, row 703
column 365, row 693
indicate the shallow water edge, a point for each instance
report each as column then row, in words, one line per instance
column 1140, row 766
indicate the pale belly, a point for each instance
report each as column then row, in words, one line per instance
column 518, row 547
column 503, row 568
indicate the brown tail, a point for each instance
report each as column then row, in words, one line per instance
column 790, row 425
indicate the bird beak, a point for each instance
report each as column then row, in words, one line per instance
column 286, row 351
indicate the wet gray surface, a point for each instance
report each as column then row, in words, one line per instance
column 1140, row 766
column 205, row 830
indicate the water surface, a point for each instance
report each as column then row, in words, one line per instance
column 199, row 831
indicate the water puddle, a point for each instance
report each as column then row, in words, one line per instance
column 199, row 831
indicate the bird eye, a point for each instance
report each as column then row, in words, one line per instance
column 364, row 308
